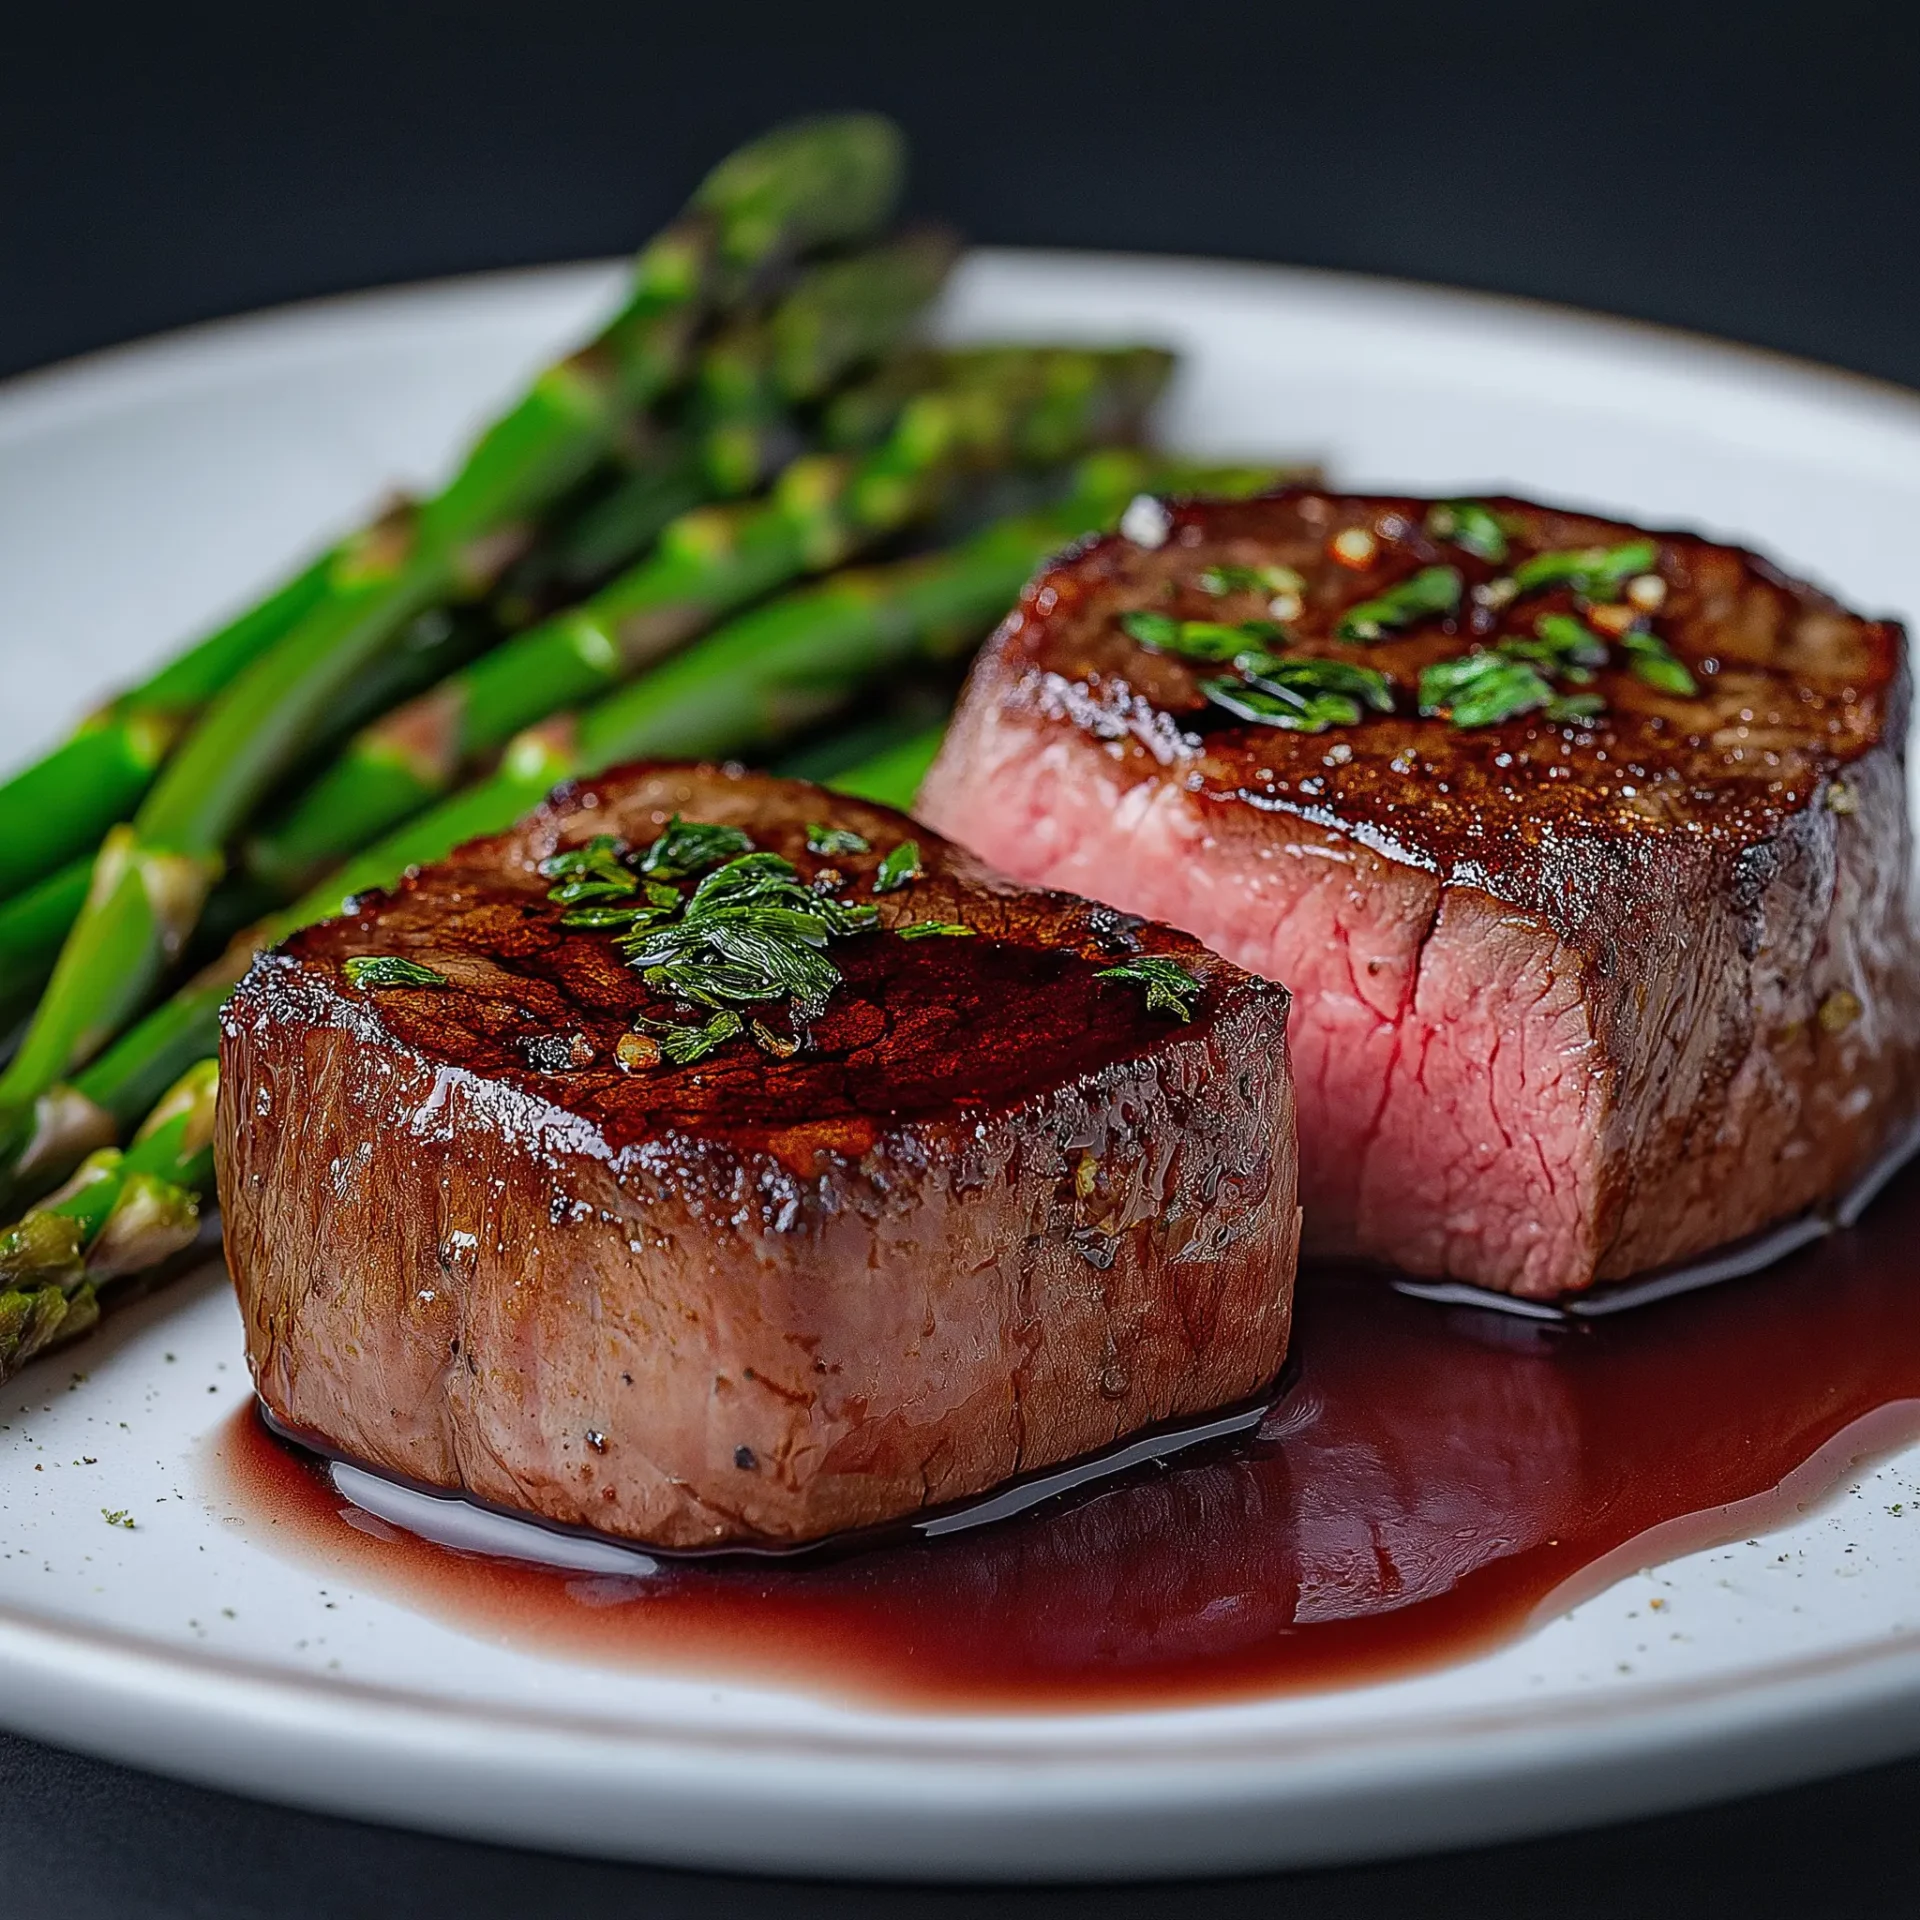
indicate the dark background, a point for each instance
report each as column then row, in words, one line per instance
column 1750, row 170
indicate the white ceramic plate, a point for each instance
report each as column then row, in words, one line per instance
column 145, row 490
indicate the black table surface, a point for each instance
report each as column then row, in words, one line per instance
column 1750, row 170
column 81, row 1840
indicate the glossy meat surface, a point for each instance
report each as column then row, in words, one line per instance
column 1573, row 999
column 996, row 1214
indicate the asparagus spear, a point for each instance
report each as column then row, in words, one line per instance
column 814, row 183
column 777, row 668
column 1041, row 403
column 35, row 922
column 124, row 1213
column 755, row 681
column 900, row 717
column 892, row 776
column 33, row 925
column 839, row 316
column 842, row 316
column 127, row 1213
column 724, row 692
column 738, row 426
column 121, row 1213
column 56, row 810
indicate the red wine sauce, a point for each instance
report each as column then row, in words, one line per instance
column 1434, row 1482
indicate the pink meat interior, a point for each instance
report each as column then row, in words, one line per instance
column 1449, row 1111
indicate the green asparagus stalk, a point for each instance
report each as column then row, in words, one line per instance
column 34, row 924
column 738, row 427
column 778, row 668
column 893, row 776
column 121, row 1213
column 56, row 810
column 761, row 678
column 900, row 717
column 612, row 528
column 1039, row 404
column 288, row 854
column 838, row 317
column 817, row 183
column 805, row 185
column 33, row 928
column 842, row 316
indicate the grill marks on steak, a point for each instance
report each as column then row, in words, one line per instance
column 995, row 1215
column 1572, row 1001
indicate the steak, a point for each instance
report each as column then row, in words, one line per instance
column 1580, row 991
column 977, row 1211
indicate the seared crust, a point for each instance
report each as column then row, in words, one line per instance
column 997, row 1215
column 1793, row 688
column 1708, row 895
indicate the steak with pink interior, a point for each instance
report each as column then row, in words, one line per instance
column 1579, row 991
column 992, row 1211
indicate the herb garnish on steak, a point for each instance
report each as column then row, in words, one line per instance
column 696, row 1271
column 1602, row 940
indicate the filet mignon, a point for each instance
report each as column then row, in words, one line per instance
column 994, row 1211
column 1580, row 991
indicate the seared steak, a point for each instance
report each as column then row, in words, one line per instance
column 1580, row 991
column 994, row 1211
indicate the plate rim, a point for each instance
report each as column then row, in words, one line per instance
column 789, row 1799
column 64, row 1681
column 281, row 325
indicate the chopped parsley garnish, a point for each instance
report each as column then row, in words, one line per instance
column 1483, row 689
column 596, row 870
column 751, row 931
column 1367, row 685
column 685, row 1046
column 688, row 847
column 899, row 867
column 931, row 929
column 390, row 970
column 1651, row 660
column 1292, row 714
column 1474, row 528
column 844, row 916
column 1298, row 694
column 831, row 842
column 1595, row 573
column 1563, row 645
column 1301, row 695
column 1431, row 591
column 598, row 855
column 1158, row 630
column 1576, row 706
column 604, row 917
column 1219, row 581
column 1170, row 987
column 603, row 868
column 1208, row 642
